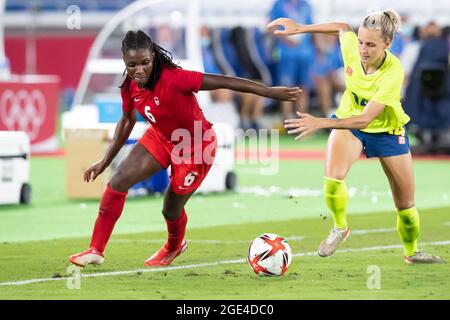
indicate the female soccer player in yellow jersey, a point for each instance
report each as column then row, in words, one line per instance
column 370, row 118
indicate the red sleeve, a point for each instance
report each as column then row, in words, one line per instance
column 127, row 106
column 187, row 81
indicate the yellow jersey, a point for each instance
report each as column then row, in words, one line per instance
column 382, row 86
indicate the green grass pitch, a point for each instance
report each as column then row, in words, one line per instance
column 35, row 241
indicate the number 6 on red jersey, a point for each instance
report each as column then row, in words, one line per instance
column 149, row 114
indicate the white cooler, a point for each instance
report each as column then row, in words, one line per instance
column 221, row 176
column 14, row 167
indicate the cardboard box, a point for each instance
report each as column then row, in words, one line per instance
column 83, row 148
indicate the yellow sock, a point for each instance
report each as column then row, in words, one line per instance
column 408, row 228
column 336, row 198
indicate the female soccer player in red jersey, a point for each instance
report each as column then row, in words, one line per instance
column 163, row 93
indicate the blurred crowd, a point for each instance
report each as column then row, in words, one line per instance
column 314, row 63
column 311, row 61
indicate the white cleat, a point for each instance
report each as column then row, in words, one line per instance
column 328, row 246
column 422, row 257
column 89, row 256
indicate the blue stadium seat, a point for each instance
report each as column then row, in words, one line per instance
column 62, row 5
column 85, row 5
column 16, row 5
column 111, row 5
column 49, row 5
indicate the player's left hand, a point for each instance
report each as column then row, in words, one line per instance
column 285, row 93
column 289, row 26
column 306, row 124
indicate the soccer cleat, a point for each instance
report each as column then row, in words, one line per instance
column 89, row 256
column 164, row 257
column 328, row 246
column 422, row 257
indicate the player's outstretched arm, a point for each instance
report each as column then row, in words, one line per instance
column 306, row 123
column 121, row 134
column 214, row 81
column 290, row 27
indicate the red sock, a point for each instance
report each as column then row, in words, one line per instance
column 176, row 230
column 111, row 207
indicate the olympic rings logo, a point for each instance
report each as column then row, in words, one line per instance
column 23, row 111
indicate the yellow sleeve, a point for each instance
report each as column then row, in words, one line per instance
column 389, row 87
column 349, row 47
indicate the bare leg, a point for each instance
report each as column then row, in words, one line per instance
column 176, row 220
column 324, row 92
column 174, row 204
column 303, row 102
column 257, row 109
column 399, row 172
column 343, row 149
column 221, row 95
column 245, row 108
column 286, row 109
column 137, row 166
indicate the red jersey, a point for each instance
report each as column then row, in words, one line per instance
column 171, row 104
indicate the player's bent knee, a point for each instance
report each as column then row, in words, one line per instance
column 336, row 175
column 119, row 182
column 172, row 214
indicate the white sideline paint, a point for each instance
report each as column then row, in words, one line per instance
column 366, row 231
column 202, row 265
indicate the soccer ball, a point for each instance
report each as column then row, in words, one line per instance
column 269, row 255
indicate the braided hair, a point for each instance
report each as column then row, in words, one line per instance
column 163, row 59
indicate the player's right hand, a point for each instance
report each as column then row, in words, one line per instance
column 290, row 27
column 93, row 171
column 284, row 93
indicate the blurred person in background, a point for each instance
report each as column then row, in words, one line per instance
column 171, row 39
column 402, row 37
column 325, row 71
column 370, row 119
column 294, row 56
column 163, row 93
column 250, row 106
column 409, row 55
column 427, row 96
column 210, row 65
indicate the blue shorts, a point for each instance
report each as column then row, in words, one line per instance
column 382, row 144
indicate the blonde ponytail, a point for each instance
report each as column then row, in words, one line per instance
column 388, row 21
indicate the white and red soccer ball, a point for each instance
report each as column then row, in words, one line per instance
column 269, row 255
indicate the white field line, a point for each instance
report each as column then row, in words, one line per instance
column 203, row 265
column 366, row 231
column 293, row 238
